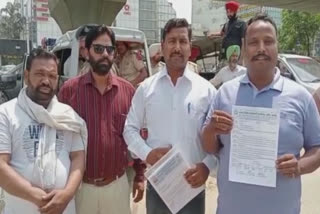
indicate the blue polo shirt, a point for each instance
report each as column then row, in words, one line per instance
column 299, row 128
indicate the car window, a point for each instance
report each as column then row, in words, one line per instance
column 308, row 70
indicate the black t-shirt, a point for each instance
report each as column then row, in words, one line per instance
column 233, row 31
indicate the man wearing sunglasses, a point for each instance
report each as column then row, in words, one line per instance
column 103, row 100
column 130, row 64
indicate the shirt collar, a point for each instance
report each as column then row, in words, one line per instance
column 277, row 83
column 187, row 73
column 111, row 79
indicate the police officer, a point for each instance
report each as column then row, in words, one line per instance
column 130, row 64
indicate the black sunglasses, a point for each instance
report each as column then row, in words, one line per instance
column 99, row 49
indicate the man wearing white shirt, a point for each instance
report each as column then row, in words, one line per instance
column 172, row 105
column 42, row 144
column 232, row 70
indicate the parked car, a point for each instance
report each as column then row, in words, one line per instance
column 10, row 78
column 301, row 69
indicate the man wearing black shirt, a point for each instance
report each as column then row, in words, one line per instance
column 232, row 31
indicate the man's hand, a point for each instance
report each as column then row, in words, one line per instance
column 137, row 191
column 37, row 197
column 221, row 122
column 156, row 154
column 288, row 165
column 197, row 176
column 58, row 201
column 214, row 35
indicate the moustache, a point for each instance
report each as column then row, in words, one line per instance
column 103, row 60
column 45, row 87
column 263, row 56
column 176, row 54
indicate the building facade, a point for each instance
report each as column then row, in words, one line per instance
column 40, row 24
column 209, row 15
column 148, row 16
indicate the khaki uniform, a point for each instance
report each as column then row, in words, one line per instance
column 130, row 66
column 158, row 67
column 193, row 67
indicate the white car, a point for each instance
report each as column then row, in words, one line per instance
column 301, row 69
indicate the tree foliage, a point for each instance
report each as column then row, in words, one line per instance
column 12, row 23
column 299, row 31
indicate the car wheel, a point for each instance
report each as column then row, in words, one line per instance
column 3, row 97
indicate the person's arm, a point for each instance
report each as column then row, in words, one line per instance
column 291, row 166
column 60, row 198
column 316, row 97
column 217, row 123
column 133, row 124
column 138, row 184
column 143, row 73
column 216, row 81
column 10, row 180
column 217, row 34
column 14, row 184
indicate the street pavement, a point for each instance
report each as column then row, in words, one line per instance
column 310, row 196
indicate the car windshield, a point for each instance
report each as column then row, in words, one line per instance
column 307, row 69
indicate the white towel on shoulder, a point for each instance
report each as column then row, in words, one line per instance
column 57, row 116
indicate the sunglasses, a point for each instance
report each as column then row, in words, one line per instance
column 99, row 49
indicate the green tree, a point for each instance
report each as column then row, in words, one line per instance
column 298, row 31
column 12, row 23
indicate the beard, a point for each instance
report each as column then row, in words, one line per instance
column 99, row 67
column 232, row 17
column 37, row 95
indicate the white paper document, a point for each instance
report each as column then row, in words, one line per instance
column 167, row 178
column 254, row 145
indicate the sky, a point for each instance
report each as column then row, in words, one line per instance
column 183, row 7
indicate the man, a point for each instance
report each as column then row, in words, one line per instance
column 103, row 101
column 130, row 64
column 232, row 70
column 232, row 31
column 155, row 57
column 42, row 143
column 263, row 86
column 172, row 105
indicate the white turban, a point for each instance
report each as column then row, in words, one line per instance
column 154, row 49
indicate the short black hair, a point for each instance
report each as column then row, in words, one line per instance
column 39, row 53
column 97, row 31
column 176, row 23
column 261, row 17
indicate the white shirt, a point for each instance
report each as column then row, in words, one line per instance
column 19, row 136
column 225, row 74
column 172, row 114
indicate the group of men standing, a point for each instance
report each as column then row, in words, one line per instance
column 47, row 148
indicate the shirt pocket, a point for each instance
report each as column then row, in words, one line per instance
column 195, row 118
column 118, row 122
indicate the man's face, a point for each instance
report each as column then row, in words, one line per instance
column 230, row 13
column 234, row 58
column 121, row 48
column 176, row 48
column 157, row 57
column 42, row 80
column 261, row 48
column 101, row 55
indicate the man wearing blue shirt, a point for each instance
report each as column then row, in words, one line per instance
column 263, row 86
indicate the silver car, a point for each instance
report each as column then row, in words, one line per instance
column 301, row 69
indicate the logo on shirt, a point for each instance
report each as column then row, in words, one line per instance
column 31, row 137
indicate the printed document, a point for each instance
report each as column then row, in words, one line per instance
column 254, row 145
